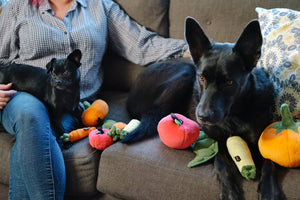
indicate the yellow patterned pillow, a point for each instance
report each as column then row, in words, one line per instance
column 280, row 55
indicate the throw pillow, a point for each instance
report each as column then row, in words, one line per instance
column 280, row 55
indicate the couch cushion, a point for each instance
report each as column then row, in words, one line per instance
column 151, row 170
column 151, row 13
column 222, row 21
column 116, row 101
column 81, row 161
column 6, row 144
column 119, row 74
column 281, row 55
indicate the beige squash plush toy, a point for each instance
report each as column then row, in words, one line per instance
column 241, row 155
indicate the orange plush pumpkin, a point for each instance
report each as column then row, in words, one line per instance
column 280, row 141
column 94, row 114
column 177, row 131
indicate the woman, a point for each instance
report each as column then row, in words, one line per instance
column 33, row 32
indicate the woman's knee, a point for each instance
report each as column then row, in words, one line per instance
column 24, row 110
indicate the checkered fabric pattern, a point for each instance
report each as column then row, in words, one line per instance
column 33, row 36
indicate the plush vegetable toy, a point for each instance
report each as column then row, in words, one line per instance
column 95, row 113
column 205, row 149
column 280, row 141
column 115, row 130
column 241, row 155
column 103, row 139
column 99, row 139
column 131, row 126
column 77, row 134
column 177, row 131
column 108, row 123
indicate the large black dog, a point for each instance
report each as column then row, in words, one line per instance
column 231, row 97
column 57, row 87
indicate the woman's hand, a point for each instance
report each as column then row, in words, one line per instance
column 5, row 94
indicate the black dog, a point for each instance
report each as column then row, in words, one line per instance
column 57, row 87
column 160, row 89
column 231, row 97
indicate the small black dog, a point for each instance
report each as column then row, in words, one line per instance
column 231, row 97
column 57, row 87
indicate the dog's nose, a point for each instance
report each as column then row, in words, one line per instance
column 209, row 116
column 58, row 81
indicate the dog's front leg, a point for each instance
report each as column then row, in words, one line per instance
column 228, row 186
column 269, row 188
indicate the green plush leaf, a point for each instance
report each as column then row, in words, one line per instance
column 205, row 149
column 107, row 124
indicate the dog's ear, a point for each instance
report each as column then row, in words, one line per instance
column 75, row 57
column 197, row 40
column 49, row 65
column 248, row 46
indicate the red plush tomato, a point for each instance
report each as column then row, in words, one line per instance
column 99, row 139
column 177, row 131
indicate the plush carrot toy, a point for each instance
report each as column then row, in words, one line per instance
column 76, row 134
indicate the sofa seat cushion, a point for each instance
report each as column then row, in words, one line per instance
column 81, row 161
column 6, row 144
column 151, row 170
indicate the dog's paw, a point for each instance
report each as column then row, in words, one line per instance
column 231, row 192
column 269, row 192
column 272, row 197
column 269, row 188
column 132, row 137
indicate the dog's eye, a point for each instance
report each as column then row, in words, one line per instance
column 229, row 83
column 201, row 78
column 53, row 75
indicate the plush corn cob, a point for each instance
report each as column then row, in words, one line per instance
column 241, row 155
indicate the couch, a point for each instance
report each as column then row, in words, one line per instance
column 148, row 169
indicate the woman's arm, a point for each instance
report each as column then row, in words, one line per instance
column 8, row 45
column 134, row 42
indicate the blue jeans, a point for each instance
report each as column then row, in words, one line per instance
column 37, row 169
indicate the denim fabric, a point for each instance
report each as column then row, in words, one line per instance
column 37, row 169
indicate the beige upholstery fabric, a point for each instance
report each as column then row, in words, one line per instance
column 222, row 21
column 151, row 170
column 151, row 13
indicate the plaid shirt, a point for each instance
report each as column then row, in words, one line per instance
column 33, row 36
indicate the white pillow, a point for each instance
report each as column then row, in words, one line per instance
column 280, row 55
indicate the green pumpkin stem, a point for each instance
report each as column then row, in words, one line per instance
column 286, row 116
column 176, row 119
column 287, row 121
